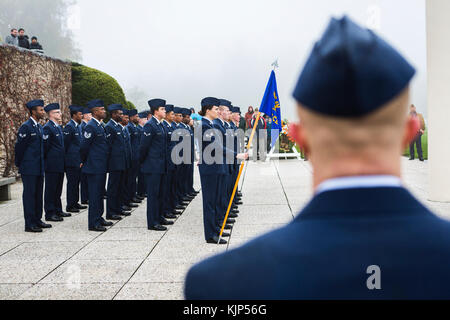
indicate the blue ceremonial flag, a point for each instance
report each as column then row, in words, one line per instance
column 271, row 106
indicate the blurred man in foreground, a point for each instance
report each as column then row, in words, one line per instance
column 363, row 235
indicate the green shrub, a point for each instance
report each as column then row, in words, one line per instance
column 89, row 84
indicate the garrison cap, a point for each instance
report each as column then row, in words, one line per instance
column 35, row 103
column 95, row 103
column 74, row 108
column 178, row 110
column 86, row 111
column 351, row 72
column 132, row 112
column 226, row 103
column 169, row 107
column 115, row 107
column 143, row 115
column 186, row 112
column 51, row 107
column 157, row 103
column 210, row 101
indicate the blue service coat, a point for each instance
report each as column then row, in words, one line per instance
column 153, row 148
column 170, row 128
column 54, row 151
column 29, row 149
column 72, row 144
column 94, row 149
column 328, row 251
column 117, row 160
column 134, row 140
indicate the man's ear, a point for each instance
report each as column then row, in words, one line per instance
column 411, row 130
column 297, row 132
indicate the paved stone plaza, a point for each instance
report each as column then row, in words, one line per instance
column 130, row 262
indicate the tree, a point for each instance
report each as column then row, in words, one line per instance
column 45, row 19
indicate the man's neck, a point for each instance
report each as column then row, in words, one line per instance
column 35, row 118
column 54, row 121
column 351, row 166
column 75, row 121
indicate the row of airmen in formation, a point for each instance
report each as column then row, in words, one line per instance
column 134, row 150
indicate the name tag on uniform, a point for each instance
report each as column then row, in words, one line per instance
column 33, row 134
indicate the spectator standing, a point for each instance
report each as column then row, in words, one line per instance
column 260, row 142
column 195, row 116
column 36, row 46
column 249, row 117
column 23, row 39
column 12, row 39
column 418, row 140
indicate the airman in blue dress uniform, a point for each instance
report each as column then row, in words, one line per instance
column 94, row 157
column 127, row 203
column 72, row 143
column 54, row 154
column 135, row 140
column 153, row 159
column 141, row 188
column 87, row 116
column 363, row 235
column 117, row 162
column 190, row 191
column 29, row 158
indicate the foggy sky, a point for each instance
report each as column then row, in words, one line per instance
column 185, row 50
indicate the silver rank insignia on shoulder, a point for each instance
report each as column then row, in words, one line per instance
column 45, row 136
column 147, row 134
column 87, row 135
column 22, row 135
column 66, row 133
column 108, row 135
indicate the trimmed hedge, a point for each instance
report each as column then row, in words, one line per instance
column 89, row 84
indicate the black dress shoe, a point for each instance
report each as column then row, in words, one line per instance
column 215, row 240
column 64, row 215
column 98, row 229
column 114, row 217
column 106, row 223
column 234, row 211
column 85, row 202
column 233, row 215
column 54, row 218
column 158, row 228
column 230, row 221
column 234, row 207
column 136, row 200
column 225, row 235
column 239, row 203
column 43, row 225
column 125, row 208
column 180, row 207
column 166, row 222
column 170, row 216
column 105, row 197
column 227, row 227
column 411, row 159
column 176, row 212
column 73, row 210
column 124, row 213
column 140, row 197
column 133, row 205
column 33, row 229
column 80, row 207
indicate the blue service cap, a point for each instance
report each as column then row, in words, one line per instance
column 143, row 115
column 169, row 107
column 178, row 110
column 35, row 103
column 126, row 112
column 51, row 107
column 210, row 101
column 236, row 109
column 115, row 107
column 226, row 103
column 186, row 112
column 86, row 111
column 95, row 103
column 157, row 103
column 351, row 72
column 132, row 112
column 74, row 108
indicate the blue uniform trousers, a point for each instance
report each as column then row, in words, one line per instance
column 141, row 186
column 84, row 188
column 73, row 176
column 114, row 201
column 52, row 194
column 96, row 184
column 124, row 191
column 155, row 184
column 210, row 194
column 168, row 192
column 131, row 182
column 32, row 199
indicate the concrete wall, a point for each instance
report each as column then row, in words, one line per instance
column 25, row 76
column 438, row 60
